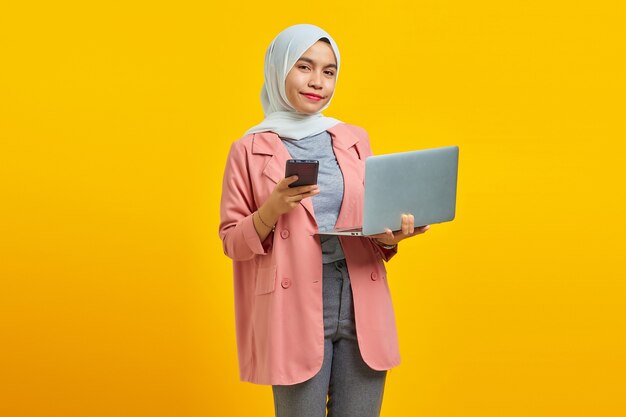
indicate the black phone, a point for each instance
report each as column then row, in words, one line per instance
column 305, row 169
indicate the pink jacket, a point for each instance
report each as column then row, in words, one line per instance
column 278, row 282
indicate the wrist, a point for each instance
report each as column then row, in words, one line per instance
column 268, row 212
column 265, row 220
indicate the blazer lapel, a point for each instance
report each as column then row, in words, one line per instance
column 352, row 169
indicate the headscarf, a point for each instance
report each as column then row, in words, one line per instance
column 280, row 116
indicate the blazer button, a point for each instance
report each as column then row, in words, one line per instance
column 286, row 283
column 374, row 276
column 284, row 233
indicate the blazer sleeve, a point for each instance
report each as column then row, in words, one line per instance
column 240, row 240
column 365, row 150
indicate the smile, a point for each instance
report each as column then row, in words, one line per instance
column 312, row 98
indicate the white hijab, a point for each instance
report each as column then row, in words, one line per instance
column 280, row 116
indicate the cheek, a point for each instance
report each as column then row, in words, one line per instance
column 292, row 86
column 330, row 86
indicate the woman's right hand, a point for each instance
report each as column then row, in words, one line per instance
column 283, row 199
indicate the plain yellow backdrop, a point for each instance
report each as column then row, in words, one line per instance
column 115, row 121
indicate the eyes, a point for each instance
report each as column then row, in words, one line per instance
column 329, row 72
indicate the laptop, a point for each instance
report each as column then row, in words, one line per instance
column 421, row 182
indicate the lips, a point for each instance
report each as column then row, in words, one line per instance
column 313, row 96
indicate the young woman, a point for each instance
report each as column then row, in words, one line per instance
column 313, row 313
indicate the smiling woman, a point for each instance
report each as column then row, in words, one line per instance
column 314, row 313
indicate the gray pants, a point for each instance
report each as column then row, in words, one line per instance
column 353, row 388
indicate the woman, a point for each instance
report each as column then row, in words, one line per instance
column 314, row 313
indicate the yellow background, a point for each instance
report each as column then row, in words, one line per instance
column 115, row 121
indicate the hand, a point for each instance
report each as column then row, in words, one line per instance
column 284, row 199
column 408, row 229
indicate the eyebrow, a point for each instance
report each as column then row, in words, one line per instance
column 309, row 60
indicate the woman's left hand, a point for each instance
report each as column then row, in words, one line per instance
column 408, row 230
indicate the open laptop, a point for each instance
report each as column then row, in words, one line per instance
column 421, row 182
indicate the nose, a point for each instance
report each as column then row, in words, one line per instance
column 316, row 80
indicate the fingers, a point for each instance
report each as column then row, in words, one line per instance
column 421, row 229
column 296, row 193
column 303, row 189
column 284, row 183
column 297, row 197
column 392, row 237
column 300, row 193
column 300, row 197
column 408, row 224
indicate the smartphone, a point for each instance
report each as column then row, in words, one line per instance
column 305, row 169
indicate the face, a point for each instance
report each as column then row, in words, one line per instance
column 313, row 74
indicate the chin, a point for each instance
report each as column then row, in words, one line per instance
column 311, row 109
column 308, row 110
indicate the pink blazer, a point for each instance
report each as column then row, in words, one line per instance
column 278, row 282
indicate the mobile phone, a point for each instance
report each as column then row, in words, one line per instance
column 305, row 169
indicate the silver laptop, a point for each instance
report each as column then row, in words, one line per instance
column 421, row 182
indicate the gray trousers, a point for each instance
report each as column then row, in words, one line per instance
column 345, row 383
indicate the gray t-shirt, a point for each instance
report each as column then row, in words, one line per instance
column 327, row 203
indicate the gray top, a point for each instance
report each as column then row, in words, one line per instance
column 327, row 203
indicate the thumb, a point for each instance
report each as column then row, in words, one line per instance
column 288, row 180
